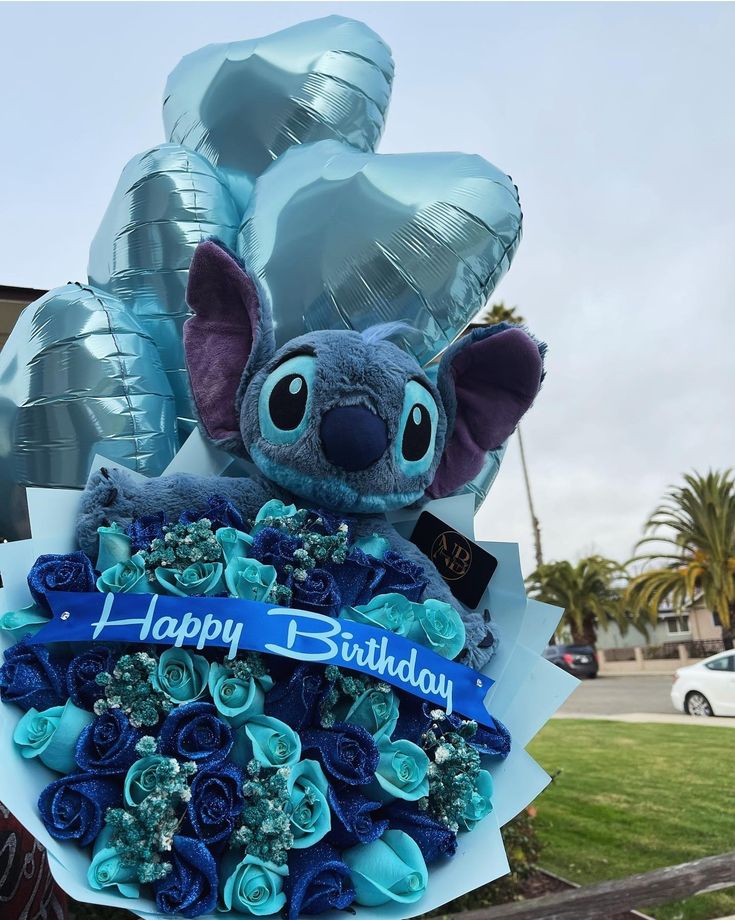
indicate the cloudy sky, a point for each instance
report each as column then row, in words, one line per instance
column 615, row 121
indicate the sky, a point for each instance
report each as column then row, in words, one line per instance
column 614, row 120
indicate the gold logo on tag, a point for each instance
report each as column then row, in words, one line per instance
column 451, row 553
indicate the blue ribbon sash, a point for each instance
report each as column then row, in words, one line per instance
column 203, row 622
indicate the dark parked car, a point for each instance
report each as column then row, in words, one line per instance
column 579, row 660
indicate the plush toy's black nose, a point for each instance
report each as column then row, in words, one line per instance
column 353, row 437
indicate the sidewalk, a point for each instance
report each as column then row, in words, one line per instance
column 652, row 717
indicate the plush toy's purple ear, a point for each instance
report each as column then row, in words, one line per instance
column 487, row 381
column 228, row 331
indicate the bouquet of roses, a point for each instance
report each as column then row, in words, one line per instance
column 243, row 782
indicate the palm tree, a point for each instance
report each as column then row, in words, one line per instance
column 499, row 313
column 590, row 593
column 694, row 527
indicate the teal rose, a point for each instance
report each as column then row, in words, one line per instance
column 108, row 871
column 480, row 803
column 114, row 547
column 234, row 543
column 269, row 741
column 249, row 885
column 374, row 545
column 125, row 577
column 402, row 771
column 181, row 675
column 26, row 621
column 309, row 811
column 376, row 710
column 393, row 612
column 249, row 579
column 145, row 776
column 389, row 869
column 203, row 579
column 52, row 735
column 438, row 626
column 237, row 698
column 272, row 509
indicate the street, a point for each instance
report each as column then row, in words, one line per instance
column 612, row 696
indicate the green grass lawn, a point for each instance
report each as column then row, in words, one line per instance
column 630, row 798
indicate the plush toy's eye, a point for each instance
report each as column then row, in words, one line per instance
column 417, row 431
column 284, row 400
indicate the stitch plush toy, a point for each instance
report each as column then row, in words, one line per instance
column 333, row 420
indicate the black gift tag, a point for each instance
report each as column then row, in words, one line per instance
column 466, row 567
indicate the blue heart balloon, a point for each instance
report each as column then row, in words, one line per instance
column 78, row 376
column 342, row 239
column 242, row 104
column 167, row 201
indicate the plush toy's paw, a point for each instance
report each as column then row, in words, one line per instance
column 481, row 640
column 109, row 496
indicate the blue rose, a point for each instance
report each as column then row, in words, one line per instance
column 216, row 802
column 181, row 675
column 237, row 698
column 51, row 735
column 195, row 732
column 31, row 677
column 389, row 869
column 439, row 627
column 203, row 579
column 127, row 577
column 325, row 522
column 274, row 547
column 108, row 744
column 220, row 512
column 317, row 592
column 385, row 611
column 73, row 807
column 249, row 579
column 296, row 700
column 24, row 622
column 144, row 530
column 249, row 885
column 376, row 710
column 108, row 870
column 353, row 818
column 269, row 741
column 435, row 840
column 480, row 803
column 60, row 572
column 190, row 888
column 317, row 881
column 357, row 578
column 402, row 771
column 234, row 543
column 402, row 576
column 348, row 753
column 308, row 808
column 81, row 675
column 114, row 546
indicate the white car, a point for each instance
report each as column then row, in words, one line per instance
column 706, row 688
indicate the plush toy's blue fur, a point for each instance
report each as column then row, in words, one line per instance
column 365, row 373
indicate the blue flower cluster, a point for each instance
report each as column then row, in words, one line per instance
column 248, row 784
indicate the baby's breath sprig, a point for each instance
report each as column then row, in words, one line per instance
column 182, row 545
column 142, row 835
column 453, row 771
column 246, row 665
column 128, row 687
column 265, row 827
